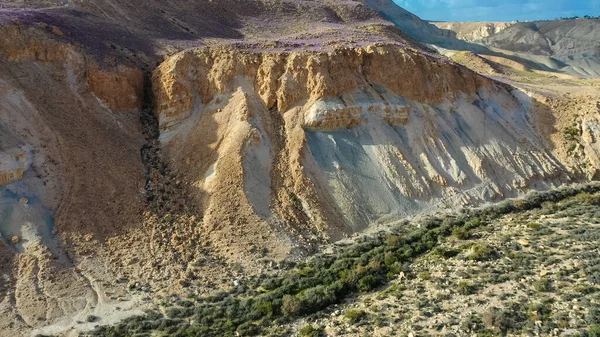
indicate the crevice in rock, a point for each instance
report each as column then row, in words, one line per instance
column 160, row 190
column 150, row 130
column 172, row 218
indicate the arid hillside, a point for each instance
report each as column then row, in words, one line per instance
column 149, row 149
column 565, row 46
column 473, row 31
column 134, row 31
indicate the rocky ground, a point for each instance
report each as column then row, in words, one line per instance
column 532, row 273
column 521, row 267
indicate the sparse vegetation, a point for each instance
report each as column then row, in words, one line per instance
column 372, row 261
column 594, row 331
column 542, row 285
column 310, row 331
column 578, row 17
column 465, row 288
column 481, row 252
column 353, row 315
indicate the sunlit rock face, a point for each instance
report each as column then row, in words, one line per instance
column 13, row 163
column 337, row 142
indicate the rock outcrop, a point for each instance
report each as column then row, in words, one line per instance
column 189, row 79
column 121, row 89
column 13, row 163
column 338, row 142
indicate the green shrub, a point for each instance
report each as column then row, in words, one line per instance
column 367, row 283
column 593, row 316
column 424, row 276
column 542, row 285
column 476, row 223
column 539, row 312
column 481, row 252
column 571, row 133
column 445, row 253
column 247, row 329
column 290, row 305
column 316, row 298
column 464, row 288
column 594, row 331
column 393, row 240
column 461, row 233
column 311, row 331
column 496, row 319
column 503, row 320
column 266, row 309
column 354, row 315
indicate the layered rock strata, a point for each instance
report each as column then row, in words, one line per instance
column 327, row 143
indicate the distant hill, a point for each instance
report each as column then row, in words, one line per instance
column 472, row 31
column 576, row 43
column 573, row 45
column 569, row 46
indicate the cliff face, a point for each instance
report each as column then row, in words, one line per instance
column 337, row 141
column 120, row 89
column 282, row 80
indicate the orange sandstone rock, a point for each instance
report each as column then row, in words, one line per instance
column 120, row 89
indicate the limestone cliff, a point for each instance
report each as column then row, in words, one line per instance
column 281, row 80
column 340, row 139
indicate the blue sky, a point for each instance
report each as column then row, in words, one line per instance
column 499, row 10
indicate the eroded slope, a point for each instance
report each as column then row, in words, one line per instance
column 337, row 142
column 70, row 157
